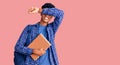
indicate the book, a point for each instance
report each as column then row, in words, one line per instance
column 39, row 42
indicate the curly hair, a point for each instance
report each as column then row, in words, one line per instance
column 48, row 5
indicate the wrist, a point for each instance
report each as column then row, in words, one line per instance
column 40, row 10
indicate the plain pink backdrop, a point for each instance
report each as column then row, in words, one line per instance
column 89, row 34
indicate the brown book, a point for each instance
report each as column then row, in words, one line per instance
column 39, row 42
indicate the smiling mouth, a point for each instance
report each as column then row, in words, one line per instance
column 46, row 18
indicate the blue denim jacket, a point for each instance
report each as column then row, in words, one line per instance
column 30, row 32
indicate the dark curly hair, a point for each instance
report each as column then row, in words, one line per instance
column 48, row 5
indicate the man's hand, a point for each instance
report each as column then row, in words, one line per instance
column 39, row 52
column 33, row 10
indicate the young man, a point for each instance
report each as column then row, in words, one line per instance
column 49, row 57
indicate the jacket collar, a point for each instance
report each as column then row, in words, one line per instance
column 38, row 23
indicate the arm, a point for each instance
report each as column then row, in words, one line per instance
column 19, row 47
column 58, row 14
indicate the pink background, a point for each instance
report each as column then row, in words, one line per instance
column 89, row 34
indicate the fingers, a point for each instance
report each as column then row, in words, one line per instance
column 43, row 51
column 33, row 10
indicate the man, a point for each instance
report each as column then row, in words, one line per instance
column 49, row 57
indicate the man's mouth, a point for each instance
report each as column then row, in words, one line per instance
column 46, row 18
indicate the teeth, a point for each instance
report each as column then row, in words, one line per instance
column 46, row 18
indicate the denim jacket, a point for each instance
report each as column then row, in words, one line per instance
column 30, row 32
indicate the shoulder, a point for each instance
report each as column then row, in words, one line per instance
column 32, row 25
column 29, row 27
